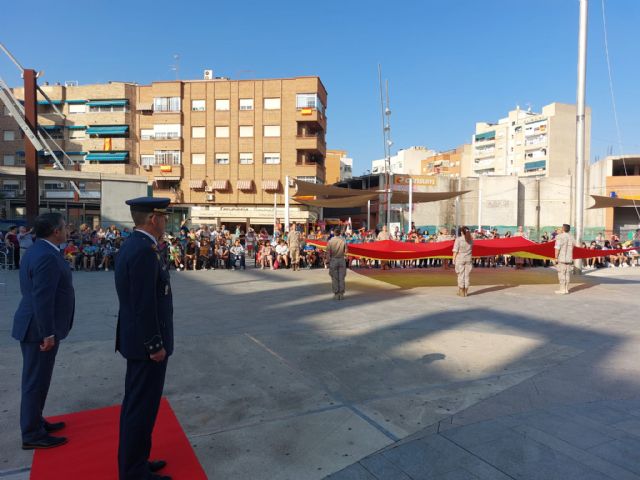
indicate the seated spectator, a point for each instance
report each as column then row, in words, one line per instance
column 282, row 254
column 89, row 254
column 72, row 255
column 222, row 253
column 309, row 255
column 237, row 255
column 266, row 255
column 175, row 254
column 206, row 258
column 108, row 252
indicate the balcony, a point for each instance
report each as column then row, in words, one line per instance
column 162, row 142
column 174, row 194
column 311, row 115
column 163, row 173
column 97, row 144
column 311, row 141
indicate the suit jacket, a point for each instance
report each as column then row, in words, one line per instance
column 145, row 317
column 48, row 298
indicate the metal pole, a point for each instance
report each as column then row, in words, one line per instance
column 410, row 204
column 480, row 203
column 286, row 204
column 368, row 215
column 458, row 204
column 580, row 122
column 275, row 212
column 30, row 152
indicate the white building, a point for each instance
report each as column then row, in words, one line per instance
column 407, row 161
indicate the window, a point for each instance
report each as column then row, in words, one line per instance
column 272, row 158
column 166, row 104
column 11, row 185
column 222, row 158
column 79, row 108
column 167, row 157
column 9, row 135
column 222, row 132
column 107, row 108
column 246, row 158
column 272, row 104
column 147, row 160
column 309, row 100
column 147, row 134
column 198, row 158
column 272, row 130
column 167, row 131
column 198, row 132
column 198, row 105
column 246, row 131
column 9, row 160
column 309, row 179
column 246, row 104
column 222, row 105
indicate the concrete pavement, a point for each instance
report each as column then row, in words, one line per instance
column 272, row 379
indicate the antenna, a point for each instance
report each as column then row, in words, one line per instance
column 176, row 65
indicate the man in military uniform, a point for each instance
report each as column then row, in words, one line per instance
column 144, row 335
column 564, row 258
column 294, row 247
column 336, row 250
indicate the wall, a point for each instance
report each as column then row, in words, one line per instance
column 114, row 194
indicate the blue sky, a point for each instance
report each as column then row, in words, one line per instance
column 450, row 63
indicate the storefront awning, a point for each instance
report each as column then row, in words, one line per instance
column 197, row 184
column 75, row 102
column 244, row 185
column 270, row 185
column 220, row 185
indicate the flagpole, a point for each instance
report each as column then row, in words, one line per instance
column 580, row 122
column 410, row 204
column 286, row 204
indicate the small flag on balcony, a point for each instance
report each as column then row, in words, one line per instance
column 165, row 168
column 307, row 111
column 107, row 144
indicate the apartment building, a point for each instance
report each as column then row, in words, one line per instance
column 221, row 148
column 529, row 144
column 93, row 134
column 338, row 165
column 449, row 163
column 407, row 161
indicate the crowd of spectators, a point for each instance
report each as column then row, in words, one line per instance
column 213, row 248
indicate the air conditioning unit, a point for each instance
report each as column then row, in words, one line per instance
column 208, row 74
column 148, row 168
column 211, row 197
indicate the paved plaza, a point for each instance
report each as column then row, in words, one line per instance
column 272, row 379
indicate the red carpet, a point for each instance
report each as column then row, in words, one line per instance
column 93, row 445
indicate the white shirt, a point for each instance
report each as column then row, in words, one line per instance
column 155, row 242
column 54, row 246
column 282, row 249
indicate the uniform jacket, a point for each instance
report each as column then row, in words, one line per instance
column 48, row 299
column 564, row 247
column 145, row 317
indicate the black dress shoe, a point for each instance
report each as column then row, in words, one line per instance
column 155, row 465
column 46, row 442
column 53, row 427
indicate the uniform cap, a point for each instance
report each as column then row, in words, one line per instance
column 149, row 204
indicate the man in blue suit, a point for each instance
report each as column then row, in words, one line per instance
column 43, row 319
column 144, row 335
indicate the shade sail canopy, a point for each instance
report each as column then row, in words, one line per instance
column 610, row 202
column 516, row 246
column 344, row 202
column 317, row 190
column 424, row 197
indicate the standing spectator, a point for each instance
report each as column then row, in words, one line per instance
column 250, row 242
column 25, row 239
column 636, row 238
column 11, row 238
column 43, row 319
